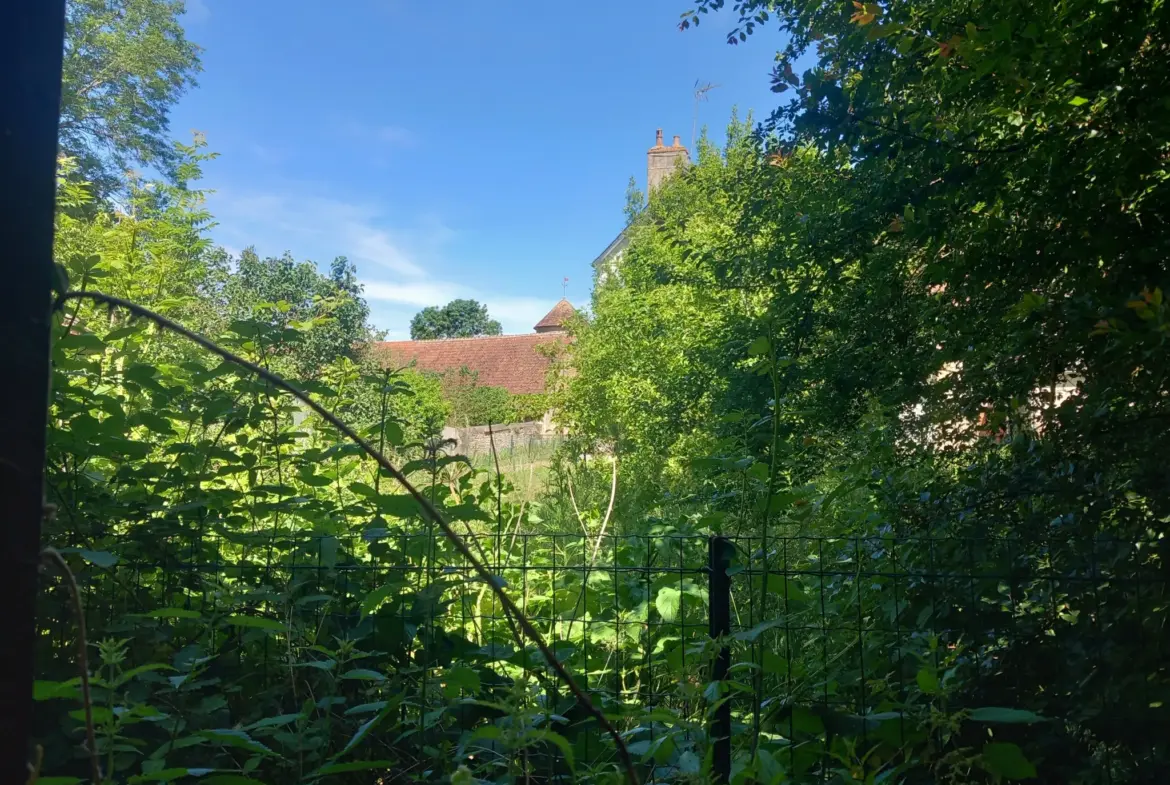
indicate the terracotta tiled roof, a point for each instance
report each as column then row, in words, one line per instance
column 514, row 362
column 555, row 319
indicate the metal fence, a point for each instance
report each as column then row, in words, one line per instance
column 738, row 639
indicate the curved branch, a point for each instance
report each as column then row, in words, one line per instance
column 428, row 509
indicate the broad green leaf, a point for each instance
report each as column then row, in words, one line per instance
column 257, row 622
column 273, row 722
column 374, row 599
column 752, row 635
column 235, row 738
column 366, row 708
column 927, row 681
column 168, row 775
column 364, row 730
column 559, row 741
column 1002, row 715
column 321, row 665
column 100, row 714
column 759, row 347
column 363, row 674
column 99, row 558
column 356, row 765
column 1007, row 760
column 173, row 613
column 458, row 680
column 130, row 674
column 50, row 690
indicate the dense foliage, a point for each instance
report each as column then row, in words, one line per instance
column 926, row 301
column 473, row 403
column 456, row 319
column 902, row 345
column 127, row 62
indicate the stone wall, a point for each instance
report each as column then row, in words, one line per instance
column 475, row 440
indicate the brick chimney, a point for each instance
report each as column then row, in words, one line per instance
column 662, row 161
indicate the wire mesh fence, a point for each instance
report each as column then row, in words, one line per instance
column 820, row 636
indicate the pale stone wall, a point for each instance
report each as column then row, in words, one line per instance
column 475, row 440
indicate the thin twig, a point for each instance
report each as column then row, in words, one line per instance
column 596, row 545
column 53, row 557
column 428, row 509
column 499, row 493
column 573, row 499
column 608, row 512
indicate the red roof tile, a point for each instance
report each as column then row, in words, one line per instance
column 555, row 319
column 514, row 362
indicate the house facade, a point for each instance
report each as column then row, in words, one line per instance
column 661, row 163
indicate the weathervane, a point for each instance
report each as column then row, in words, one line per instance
column 565, row 288
column 701, row 91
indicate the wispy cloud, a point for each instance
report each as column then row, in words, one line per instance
column 379, row 135
column 400, row 264
column 314, row 223
column 197, row 11
column 388, row 300
column 414, row 293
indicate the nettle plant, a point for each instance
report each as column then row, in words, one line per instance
column 265, row 607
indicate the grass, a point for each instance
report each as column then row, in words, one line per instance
column 526, row 465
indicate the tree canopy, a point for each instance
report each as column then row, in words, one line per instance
column 457, row 319
column 126, row 64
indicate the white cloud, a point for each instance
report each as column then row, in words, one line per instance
column 417, row 293
column 515, row 314
column 197, row 11
column 393, row 134
column 520, row 313
column 400, row 265
column 314, row 224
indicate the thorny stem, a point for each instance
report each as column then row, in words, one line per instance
column 428, row 509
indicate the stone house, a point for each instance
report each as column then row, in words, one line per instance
column 661, row 163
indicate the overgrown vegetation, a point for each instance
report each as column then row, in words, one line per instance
column 903, row 346
column 924, row 305
column 472, row 403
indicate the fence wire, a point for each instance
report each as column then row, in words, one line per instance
column 826, row 635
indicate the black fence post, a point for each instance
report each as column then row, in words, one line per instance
column 31, row 43
column 719, row 551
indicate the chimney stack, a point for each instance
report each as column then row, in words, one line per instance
column 662, row 161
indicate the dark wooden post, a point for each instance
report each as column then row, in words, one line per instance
column 719, row 551
column 32, row 35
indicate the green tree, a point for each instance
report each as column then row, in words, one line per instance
column 283, row 292
column 940, row 279
column 457, row 319
column 127, row 62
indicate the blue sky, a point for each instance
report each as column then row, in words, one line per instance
column 461, row 149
